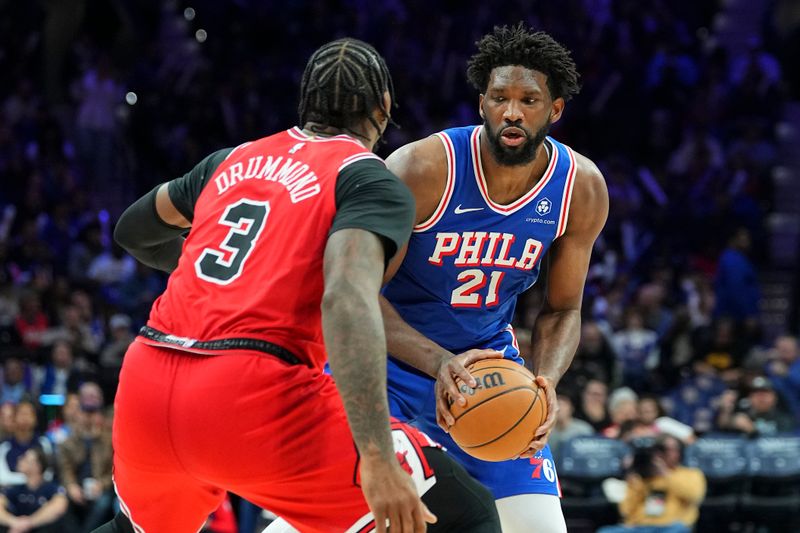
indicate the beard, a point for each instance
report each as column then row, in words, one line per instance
column 513, row 156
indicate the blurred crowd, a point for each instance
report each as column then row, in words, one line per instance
column 103, row 100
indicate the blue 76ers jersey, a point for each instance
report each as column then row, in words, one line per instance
column 459, row 283
column 467, row 263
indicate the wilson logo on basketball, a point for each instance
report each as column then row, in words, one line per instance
column 492, row 379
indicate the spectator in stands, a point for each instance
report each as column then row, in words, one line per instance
column 592, row 407
column 85, row 459
column 14, row 383
column 661, row 496
column 63, row 427
column 783, row 369
column 567, row 426
column 36, row 506
column 121, row 337
column 24, row 438
column 60, row 375
column 594, row 359
column 75, row 330
column 759, row 415
column 31, row 321
column 7, row 411
column 621, row 408
column 637, row 351
column 736, row 283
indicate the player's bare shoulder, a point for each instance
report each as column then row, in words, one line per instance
column 589, row 207
column 422, row 166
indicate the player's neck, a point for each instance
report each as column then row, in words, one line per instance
column 314, row 129
column 509, row 183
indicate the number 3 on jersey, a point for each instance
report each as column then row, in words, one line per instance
column 246, row 218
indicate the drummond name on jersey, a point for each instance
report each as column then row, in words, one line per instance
column 300, row 182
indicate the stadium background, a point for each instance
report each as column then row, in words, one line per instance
column 690, row 109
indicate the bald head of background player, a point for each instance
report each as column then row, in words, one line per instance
column 500, row 179
column 250, row 298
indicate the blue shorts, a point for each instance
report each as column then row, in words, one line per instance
column 411, row 399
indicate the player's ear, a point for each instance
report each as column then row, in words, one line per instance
column 557, row 109
column 480, row 107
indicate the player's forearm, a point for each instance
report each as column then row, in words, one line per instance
column 356, row 346
column 409, row 345
column 555, row 340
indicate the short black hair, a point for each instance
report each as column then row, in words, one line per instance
column 518, row 45
column 342, row 85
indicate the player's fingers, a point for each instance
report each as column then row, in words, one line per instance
column 447, row 383
column 443, row 411
column 546, row 426
column 380, row 520
column 476, row 355
column 460, row 370
column 427, row 515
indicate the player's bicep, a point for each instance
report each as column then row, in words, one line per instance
column 571, row 253
column 166, row 209
column 568, row 265
column 353, row 262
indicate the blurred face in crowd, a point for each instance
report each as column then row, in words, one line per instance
column 14, row 372
column 763, row 400
column 634, row 320
column 71, row 409
column 623, row 411
column 25, row 417
column 564, row 409
column 517, row 110
column 591, row 338
column 671, row 451
column 7, row 412
column 71, row 316
column 648, row 410
column 786, row 349
column 595, row 392
column 28, row 464
column 62, row 355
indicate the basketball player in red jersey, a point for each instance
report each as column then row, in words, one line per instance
column 223, row 390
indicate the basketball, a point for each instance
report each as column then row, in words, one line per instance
column 502, row 412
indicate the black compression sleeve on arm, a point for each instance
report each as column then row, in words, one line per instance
column 148, row 238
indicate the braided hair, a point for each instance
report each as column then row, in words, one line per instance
column 516, row 45
column 342, row 85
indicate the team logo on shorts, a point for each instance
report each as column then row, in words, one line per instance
column 543, row 206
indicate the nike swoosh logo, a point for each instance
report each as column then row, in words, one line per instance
column 458, row 210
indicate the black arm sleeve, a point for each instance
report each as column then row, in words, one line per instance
column 148, row 238
column 185, row 191
column 370, row 197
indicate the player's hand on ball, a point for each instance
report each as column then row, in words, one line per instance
column 446, row 387
column 392, row 496
column 543, row 433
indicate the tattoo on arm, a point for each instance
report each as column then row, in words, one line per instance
column 354, row 336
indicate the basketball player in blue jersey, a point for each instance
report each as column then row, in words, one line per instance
column 492, row 202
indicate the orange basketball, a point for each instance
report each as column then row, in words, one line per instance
column 502, row 412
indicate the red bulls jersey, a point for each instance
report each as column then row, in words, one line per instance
column 251, row 266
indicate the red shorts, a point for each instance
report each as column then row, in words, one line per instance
column 188, row 428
